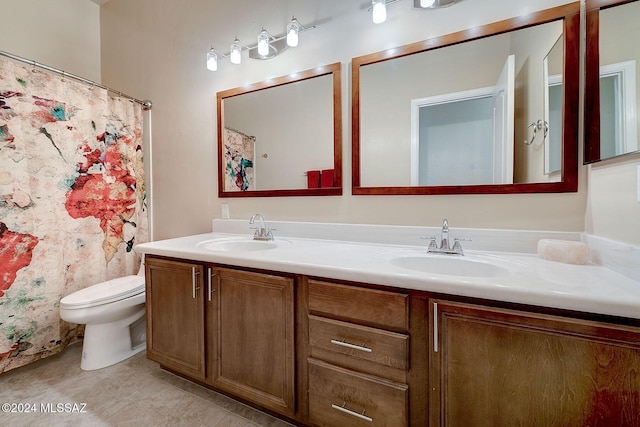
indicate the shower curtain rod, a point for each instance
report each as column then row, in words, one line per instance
column 146, row 104
column 251, row 137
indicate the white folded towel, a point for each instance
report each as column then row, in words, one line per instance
column 564, row 251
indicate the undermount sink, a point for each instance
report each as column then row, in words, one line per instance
column 241, row 244
column 457, row 265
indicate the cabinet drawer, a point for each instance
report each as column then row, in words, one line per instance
column 340, row 397
column 359, row 347
column 388, row 309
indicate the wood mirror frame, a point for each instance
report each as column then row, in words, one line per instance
column 333, row 70
column 592, row 146
column 570, row 14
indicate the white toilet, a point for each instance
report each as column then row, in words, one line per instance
column 114, row 315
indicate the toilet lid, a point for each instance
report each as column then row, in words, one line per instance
column 105, row 292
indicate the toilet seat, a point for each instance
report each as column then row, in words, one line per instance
column 104, row 293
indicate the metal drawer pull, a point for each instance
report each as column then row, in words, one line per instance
column 343, row 343
column 344, row 409
column 209, row 277
column 194, row 281
column 435, row 327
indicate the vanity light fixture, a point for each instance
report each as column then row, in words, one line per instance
column 212, row 60
column 236, row 52
column 263, row 43
column 266, row 47
column 433, row 4
column 379, row 7
column 292, row 32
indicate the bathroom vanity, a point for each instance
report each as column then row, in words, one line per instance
column 343, row 333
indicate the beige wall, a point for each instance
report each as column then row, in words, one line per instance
column 64, row 34
column 614, row 211
column 155, row 50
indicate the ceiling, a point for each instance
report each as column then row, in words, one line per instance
column 100, row 2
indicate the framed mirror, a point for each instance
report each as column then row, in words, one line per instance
column 464, row 113
column 611, row 84
column 282, row 137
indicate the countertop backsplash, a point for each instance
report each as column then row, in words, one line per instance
column 620, row 257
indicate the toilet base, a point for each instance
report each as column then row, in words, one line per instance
column 106, row 344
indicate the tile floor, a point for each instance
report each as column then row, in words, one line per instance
column 135, row 392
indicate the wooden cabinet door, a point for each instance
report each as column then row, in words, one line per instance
column 175, row 310
column 254, row 338
column 495, row 367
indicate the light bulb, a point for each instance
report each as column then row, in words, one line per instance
column 263, row 43
column 427, row 3
column 212, row 60
column 236, row 52
column 379, row 11
column 292, row 33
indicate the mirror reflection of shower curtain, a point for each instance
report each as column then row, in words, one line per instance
column 72, row 202
column 239, row 160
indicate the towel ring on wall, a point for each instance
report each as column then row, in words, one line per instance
column 539, row 125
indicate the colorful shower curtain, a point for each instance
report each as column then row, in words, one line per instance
column 72, row 202
column 239, row 158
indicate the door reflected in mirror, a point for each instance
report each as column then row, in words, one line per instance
column 612, row 84
column 281, row 137
column 454, row 129
column 452, row 114
column 618, row 120
column 474, row 126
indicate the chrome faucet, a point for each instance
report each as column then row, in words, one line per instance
column 262, row 232
column 444, row 236
column 445, row 247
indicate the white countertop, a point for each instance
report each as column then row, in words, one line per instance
column 532, row 280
